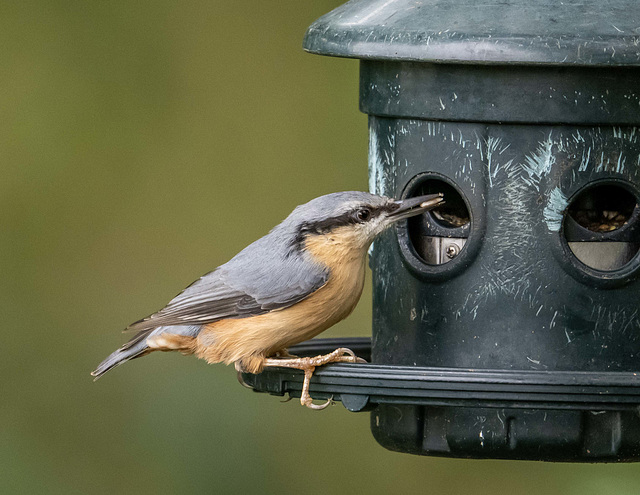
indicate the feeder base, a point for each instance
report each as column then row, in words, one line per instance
column 503, row 414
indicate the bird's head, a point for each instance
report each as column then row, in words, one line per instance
column 351, row 219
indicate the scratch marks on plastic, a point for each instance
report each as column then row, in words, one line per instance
column 599, row 155
column 581, row 157
column 375, row 164
column 586, row 156
column 553, row 212
column 494, row 146
column 553, row 320
column 539, row 164
column 381, row 160
column 463, row 151
column 614, row 319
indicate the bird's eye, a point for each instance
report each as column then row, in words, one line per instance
column 363, row 214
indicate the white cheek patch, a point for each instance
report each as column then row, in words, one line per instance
column 380, row 225
column 372, row 229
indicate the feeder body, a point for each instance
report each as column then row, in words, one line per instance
column 527, row 114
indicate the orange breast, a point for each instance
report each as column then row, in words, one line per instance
column 232, row 340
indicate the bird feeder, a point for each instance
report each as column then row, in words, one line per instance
column 506, row 323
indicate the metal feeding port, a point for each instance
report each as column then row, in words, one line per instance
column 506, row 321
column 439, row 235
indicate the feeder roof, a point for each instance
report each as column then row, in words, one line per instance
column 526, row 32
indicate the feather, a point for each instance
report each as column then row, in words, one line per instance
column 275, row 272
column 267, row 275
column 137, row 346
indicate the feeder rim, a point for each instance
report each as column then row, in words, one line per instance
column 362, row 386
column 571, row 33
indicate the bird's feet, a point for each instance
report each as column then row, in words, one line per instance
column 309, row 364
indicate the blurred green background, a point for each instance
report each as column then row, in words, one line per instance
column 141, row 145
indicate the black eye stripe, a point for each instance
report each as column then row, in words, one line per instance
column 350, row 217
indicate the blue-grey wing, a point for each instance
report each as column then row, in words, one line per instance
column 262, row 278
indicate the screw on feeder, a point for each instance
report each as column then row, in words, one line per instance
column 452, row 251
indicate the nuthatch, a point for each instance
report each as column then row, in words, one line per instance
column 301, row 278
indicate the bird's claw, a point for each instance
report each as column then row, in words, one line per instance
column 241, row 379
column 318, row 407
column 309, row 364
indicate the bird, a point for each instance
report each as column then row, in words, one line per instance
column 301, row 278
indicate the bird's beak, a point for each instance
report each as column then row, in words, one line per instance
column 415, row 206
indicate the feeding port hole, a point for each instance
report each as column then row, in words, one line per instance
column 439, row 235
column 601, row 226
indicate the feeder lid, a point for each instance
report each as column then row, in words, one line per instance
column 528, row 32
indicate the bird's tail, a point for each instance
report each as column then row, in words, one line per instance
column 169, row 338
column 136, row 347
